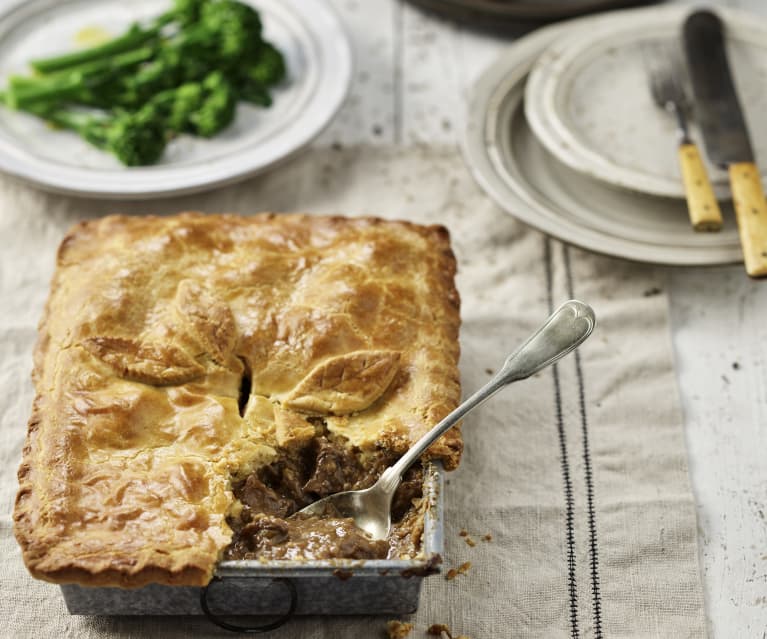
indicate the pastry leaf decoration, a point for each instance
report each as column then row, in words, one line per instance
column 344, row 384
column 154, row 363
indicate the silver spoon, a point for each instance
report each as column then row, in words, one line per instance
column 370, row 509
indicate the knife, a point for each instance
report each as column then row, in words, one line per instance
column 725, row 133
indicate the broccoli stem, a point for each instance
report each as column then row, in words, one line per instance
column 112, row 63
column 24, row 92
column 91, row 128
column 134, row 38
column 72, row 120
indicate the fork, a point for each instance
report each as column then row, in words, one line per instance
column 666, row 76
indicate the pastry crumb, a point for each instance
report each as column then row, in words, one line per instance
column 464, row 532
column 398, row 629
column 440, row 629
column 461, row 570
column 487, row 537
column 469, row 541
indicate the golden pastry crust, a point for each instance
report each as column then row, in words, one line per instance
column 153, row 323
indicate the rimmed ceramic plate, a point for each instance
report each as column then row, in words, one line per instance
column 512, row 166
column 588, row 98
column 318, row 57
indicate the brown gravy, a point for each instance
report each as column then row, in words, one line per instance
column 267, row 529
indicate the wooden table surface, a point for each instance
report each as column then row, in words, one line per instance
column 413, row 73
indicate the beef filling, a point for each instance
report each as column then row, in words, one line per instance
column 301, row 476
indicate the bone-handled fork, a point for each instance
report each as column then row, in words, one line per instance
column 666, row 75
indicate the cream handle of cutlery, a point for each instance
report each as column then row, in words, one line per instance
column 701, row 202
column 751, row 213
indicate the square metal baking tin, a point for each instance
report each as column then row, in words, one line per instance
column 252, row 587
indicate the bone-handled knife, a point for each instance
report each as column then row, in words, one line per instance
column 725, row 133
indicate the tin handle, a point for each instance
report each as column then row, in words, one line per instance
column 252, row 630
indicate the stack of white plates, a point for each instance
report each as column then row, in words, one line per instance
column 564, row 135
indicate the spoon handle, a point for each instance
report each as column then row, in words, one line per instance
column 564, row 331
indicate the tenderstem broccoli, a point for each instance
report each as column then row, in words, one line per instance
column 200, row 108
column 136, row 139
column 183, row 72
column 217, row 109
column 73, row 85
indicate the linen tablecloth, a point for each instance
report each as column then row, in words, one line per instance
column 578, row 476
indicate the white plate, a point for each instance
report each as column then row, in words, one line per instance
column 527, row 181
column 588, row 98
column 318, row 57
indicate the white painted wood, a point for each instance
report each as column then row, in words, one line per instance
column 717, row 314
column 720, row 338
column 368, row 116
column 430, row 110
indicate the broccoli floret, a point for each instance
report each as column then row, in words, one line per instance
column 177, row 105
column 254, row 79
column 200, row 108
column 269, row 67
column 136, row 139
column 230, row 29
column 217, row 109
